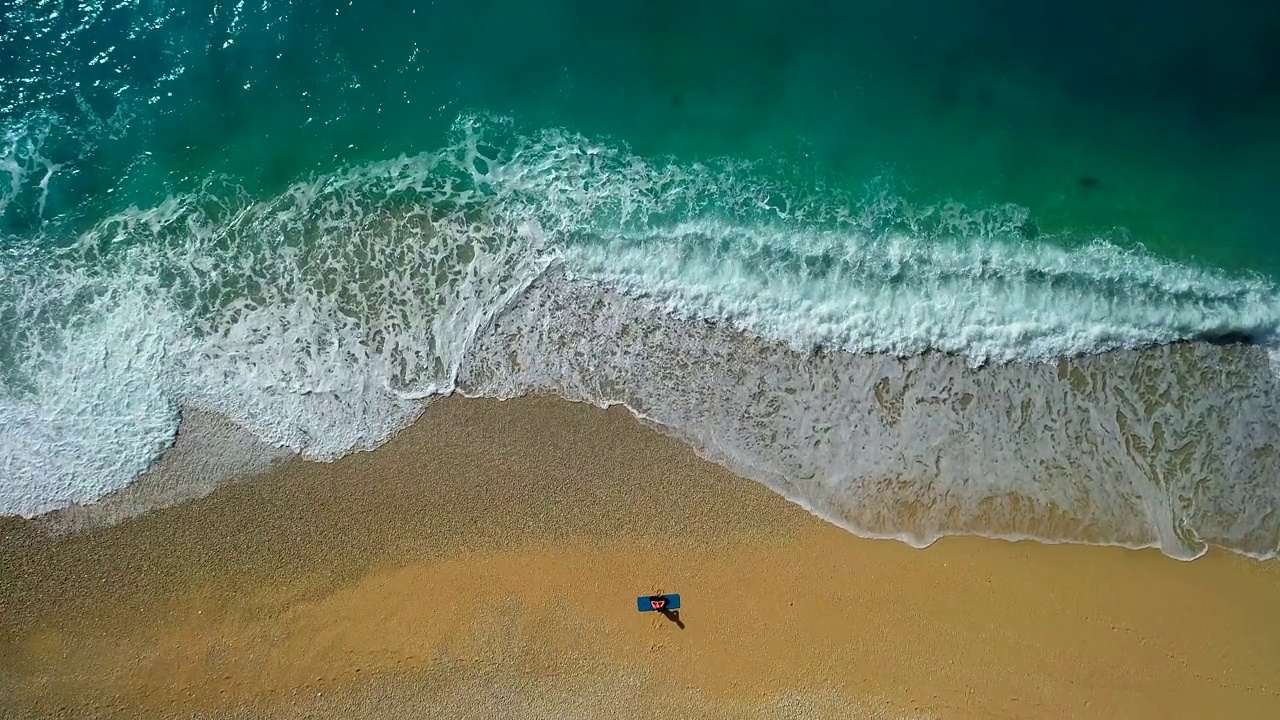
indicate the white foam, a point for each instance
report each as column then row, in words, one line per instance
column 24, row 165
column 988, row 300
column 101, row 409
column 318, row 320
column 322, row 318
column 1172, row 447
column 717, row 243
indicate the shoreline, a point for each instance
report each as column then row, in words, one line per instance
column 210, row 451
column 485, row 562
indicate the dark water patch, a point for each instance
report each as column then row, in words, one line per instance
column 1230, row 338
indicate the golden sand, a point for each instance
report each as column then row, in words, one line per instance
column 485, row 564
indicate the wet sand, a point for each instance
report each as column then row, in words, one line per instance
column 485, row 564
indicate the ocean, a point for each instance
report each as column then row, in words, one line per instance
column 925, row 268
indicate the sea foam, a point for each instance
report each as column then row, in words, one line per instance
column 1174, row 446
column 322, row 318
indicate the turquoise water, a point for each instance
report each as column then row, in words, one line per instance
column 981, row 102
column 313, row 217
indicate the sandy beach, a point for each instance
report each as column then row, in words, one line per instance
column 485, row 564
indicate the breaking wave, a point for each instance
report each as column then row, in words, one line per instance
column 905, row 371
